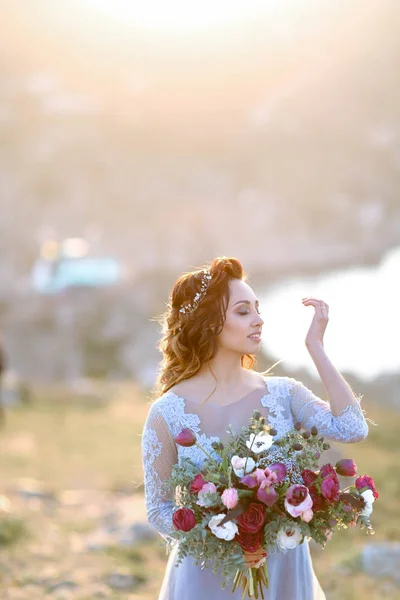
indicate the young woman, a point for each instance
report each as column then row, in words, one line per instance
column 211, row 330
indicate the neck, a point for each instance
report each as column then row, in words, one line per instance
column 227, row 368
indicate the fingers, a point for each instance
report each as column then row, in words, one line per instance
column 315, row 302
column 320, row 305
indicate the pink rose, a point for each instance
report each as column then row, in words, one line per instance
column 208, row 488
column 330, row 488
column 230, row 498
column 366, row 482
column 197, row 483
column 307, row 515
column 298, row 500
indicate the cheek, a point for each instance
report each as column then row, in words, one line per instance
column 235, row 326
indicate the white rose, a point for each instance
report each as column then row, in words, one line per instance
column 369, row 498
column 238, row 463
column 289, row 537
column 225, row 532
column 260, row 442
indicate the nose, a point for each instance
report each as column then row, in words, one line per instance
column 258, row 322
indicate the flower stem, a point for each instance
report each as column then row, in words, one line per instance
column 206, row 453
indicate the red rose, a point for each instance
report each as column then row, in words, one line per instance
column 197, row 483
column 327, row 470
column 253, row 519
column 346, row 467
column 330, row 488
column 183, row 519
column 318, row 501
column 249, row 542
column 308, row 477
column 366, row 482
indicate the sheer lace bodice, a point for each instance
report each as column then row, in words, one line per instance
column 282, row 400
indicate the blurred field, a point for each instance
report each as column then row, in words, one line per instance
column 81, row 451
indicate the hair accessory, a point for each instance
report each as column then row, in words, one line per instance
column 191, row 306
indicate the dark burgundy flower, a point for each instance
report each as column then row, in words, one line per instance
column 197, row 484
column 327, row 470
column 330, row 488
column 183, row 519
column 318, row 500
column 186, row 438
column 366, row 482
column 250, row 541
column 308, row 477
column 346, row 467
column 253, row 519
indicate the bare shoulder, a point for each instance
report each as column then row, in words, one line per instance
column 193, row 384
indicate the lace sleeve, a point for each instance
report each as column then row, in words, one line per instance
column 159, row 454
column 349, row 426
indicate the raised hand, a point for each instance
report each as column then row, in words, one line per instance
column 315, row 334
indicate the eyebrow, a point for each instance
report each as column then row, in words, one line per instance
column 245, row 302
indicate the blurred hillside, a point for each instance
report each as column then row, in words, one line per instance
column 268, row 141
column 276, row 141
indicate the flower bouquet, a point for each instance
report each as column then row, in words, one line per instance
column 258, row 496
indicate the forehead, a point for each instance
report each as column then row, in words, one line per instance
column 240, row 290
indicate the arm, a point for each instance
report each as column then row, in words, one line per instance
column 159, row 455
column 340, row 421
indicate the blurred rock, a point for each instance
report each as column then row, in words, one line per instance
column 382, row 560
column 121, row 581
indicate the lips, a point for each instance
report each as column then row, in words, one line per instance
column 255, row 336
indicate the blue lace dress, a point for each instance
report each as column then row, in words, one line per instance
column 283, row 401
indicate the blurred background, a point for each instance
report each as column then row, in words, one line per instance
column 139, row 140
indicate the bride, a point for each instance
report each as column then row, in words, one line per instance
column 211, row 331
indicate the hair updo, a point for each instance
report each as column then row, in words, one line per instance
column 189, row 340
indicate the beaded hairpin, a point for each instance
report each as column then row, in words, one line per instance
column 191, row 306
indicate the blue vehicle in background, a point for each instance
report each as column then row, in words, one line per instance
column 68, row 264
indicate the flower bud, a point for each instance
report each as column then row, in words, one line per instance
column 317, row 454
column 326, row 446
column 186, row 438
column 215, row 445
column 321, row 439
column 298, row 425
column 256, row 414
column 314, row 430
column 346, row 467
column 297, row 446
column 272, row 431
column 306, row 435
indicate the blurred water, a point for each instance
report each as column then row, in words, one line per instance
column 362, row 336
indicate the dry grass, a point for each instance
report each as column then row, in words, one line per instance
column 71, row 441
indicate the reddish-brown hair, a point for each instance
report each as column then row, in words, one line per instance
column 189, row 340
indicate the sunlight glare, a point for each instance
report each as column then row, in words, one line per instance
column 181, row 15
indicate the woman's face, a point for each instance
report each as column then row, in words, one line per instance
column 243, row 324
